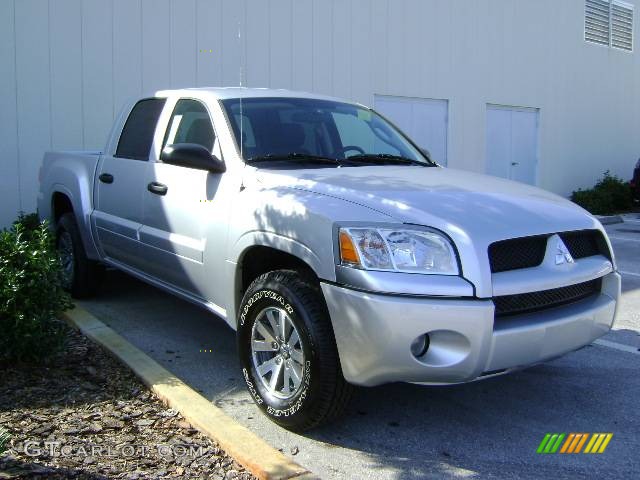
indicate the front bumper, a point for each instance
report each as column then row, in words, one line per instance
column 374, row 333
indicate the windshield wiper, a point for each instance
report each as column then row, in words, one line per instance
column 387, row 159
column 294, row 156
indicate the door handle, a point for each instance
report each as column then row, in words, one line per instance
column 513, row 164
column 106, row 178
column 157, row 188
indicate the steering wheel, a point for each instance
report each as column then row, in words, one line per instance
column 346, row 148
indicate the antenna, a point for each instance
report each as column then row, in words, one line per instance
column 240, row 85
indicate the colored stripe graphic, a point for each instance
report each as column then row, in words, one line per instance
column 605, row 443
column 594, row 437
column 598, row 443
column 555, row 447
column 543, row 443
column 550, row 443
column 583, row 439
column 567, row 443
column 574, row 442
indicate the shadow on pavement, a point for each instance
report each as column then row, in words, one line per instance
column 490, row 428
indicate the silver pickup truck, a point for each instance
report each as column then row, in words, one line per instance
column 336, row 248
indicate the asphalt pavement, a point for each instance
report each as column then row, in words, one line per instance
column 487, row 429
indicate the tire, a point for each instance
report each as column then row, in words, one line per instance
column 315, row 391
column 80, row 275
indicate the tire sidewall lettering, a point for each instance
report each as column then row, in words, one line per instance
column 252, row 390
column 270, row 294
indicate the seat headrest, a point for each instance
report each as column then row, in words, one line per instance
column 200, row 132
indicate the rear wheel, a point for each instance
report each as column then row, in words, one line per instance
column 80, row 275
column 288, row 352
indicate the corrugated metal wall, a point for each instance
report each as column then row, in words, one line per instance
column 67, row 66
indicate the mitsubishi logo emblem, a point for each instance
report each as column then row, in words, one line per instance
column 562, row 253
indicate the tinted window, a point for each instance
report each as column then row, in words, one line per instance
column 248, row 138
column 356, row 133
column 137, row 134
column 281, row 126
column 190, row 123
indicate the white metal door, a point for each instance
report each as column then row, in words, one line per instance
column 512, row 142
column 424, row 120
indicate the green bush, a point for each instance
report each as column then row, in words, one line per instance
column 610, row 195
column 4, row 439
column 31, row 296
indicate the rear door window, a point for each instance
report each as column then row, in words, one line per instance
column 137, row 133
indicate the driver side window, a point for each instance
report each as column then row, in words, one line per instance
column 190, row 123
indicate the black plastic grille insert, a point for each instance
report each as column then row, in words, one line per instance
column 535, row 301
column 585, row 243
column 517, row 253
column 527, row 252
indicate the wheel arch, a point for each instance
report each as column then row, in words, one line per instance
column 267, row 252
column 62, row 202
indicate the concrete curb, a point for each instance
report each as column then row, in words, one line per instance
column 250, row 451
column 610, row 219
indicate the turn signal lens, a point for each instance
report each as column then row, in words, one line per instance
column 348, row 253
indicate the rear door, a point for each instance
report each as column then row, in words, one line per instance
column 122, row 182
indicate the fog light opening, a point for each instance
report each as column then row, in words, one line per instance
column 420, row 346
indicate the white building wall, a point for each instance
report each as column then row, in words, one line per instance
column 68, row 65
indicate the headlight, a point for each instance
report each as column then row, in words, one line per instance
column 413, row 251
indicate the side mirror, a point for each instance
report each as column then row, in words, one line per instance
column 192, row 155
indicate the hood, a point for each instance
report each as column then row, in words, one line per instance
column 474, row 210
column 457, row 202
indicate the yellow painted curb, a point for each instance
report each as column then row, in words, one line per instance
column 249, row 450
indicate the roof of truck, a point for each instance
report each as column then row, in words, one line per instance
column 244, row 92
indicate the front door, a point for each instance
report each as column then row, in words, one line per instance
column 183, row 216
column 121, row 185
column 512, row 143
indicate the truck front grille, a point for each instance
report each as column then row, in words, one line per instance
column 527, row 252
column 517, row 253
column 585, row 243
column 535, row 301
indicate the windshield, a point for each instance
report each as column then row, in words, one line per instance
column 308, row 130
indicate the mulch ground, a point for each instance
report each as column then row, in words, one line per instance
column 84, row 415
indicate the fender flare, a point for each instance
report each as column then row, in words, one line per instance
column 283, row 243
column 82, row 212
column 259, row 238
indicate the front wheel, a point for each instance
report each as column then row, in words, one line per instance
column 288, row 352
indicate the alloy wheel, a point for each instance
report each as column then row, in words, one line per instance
column 277, row 353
